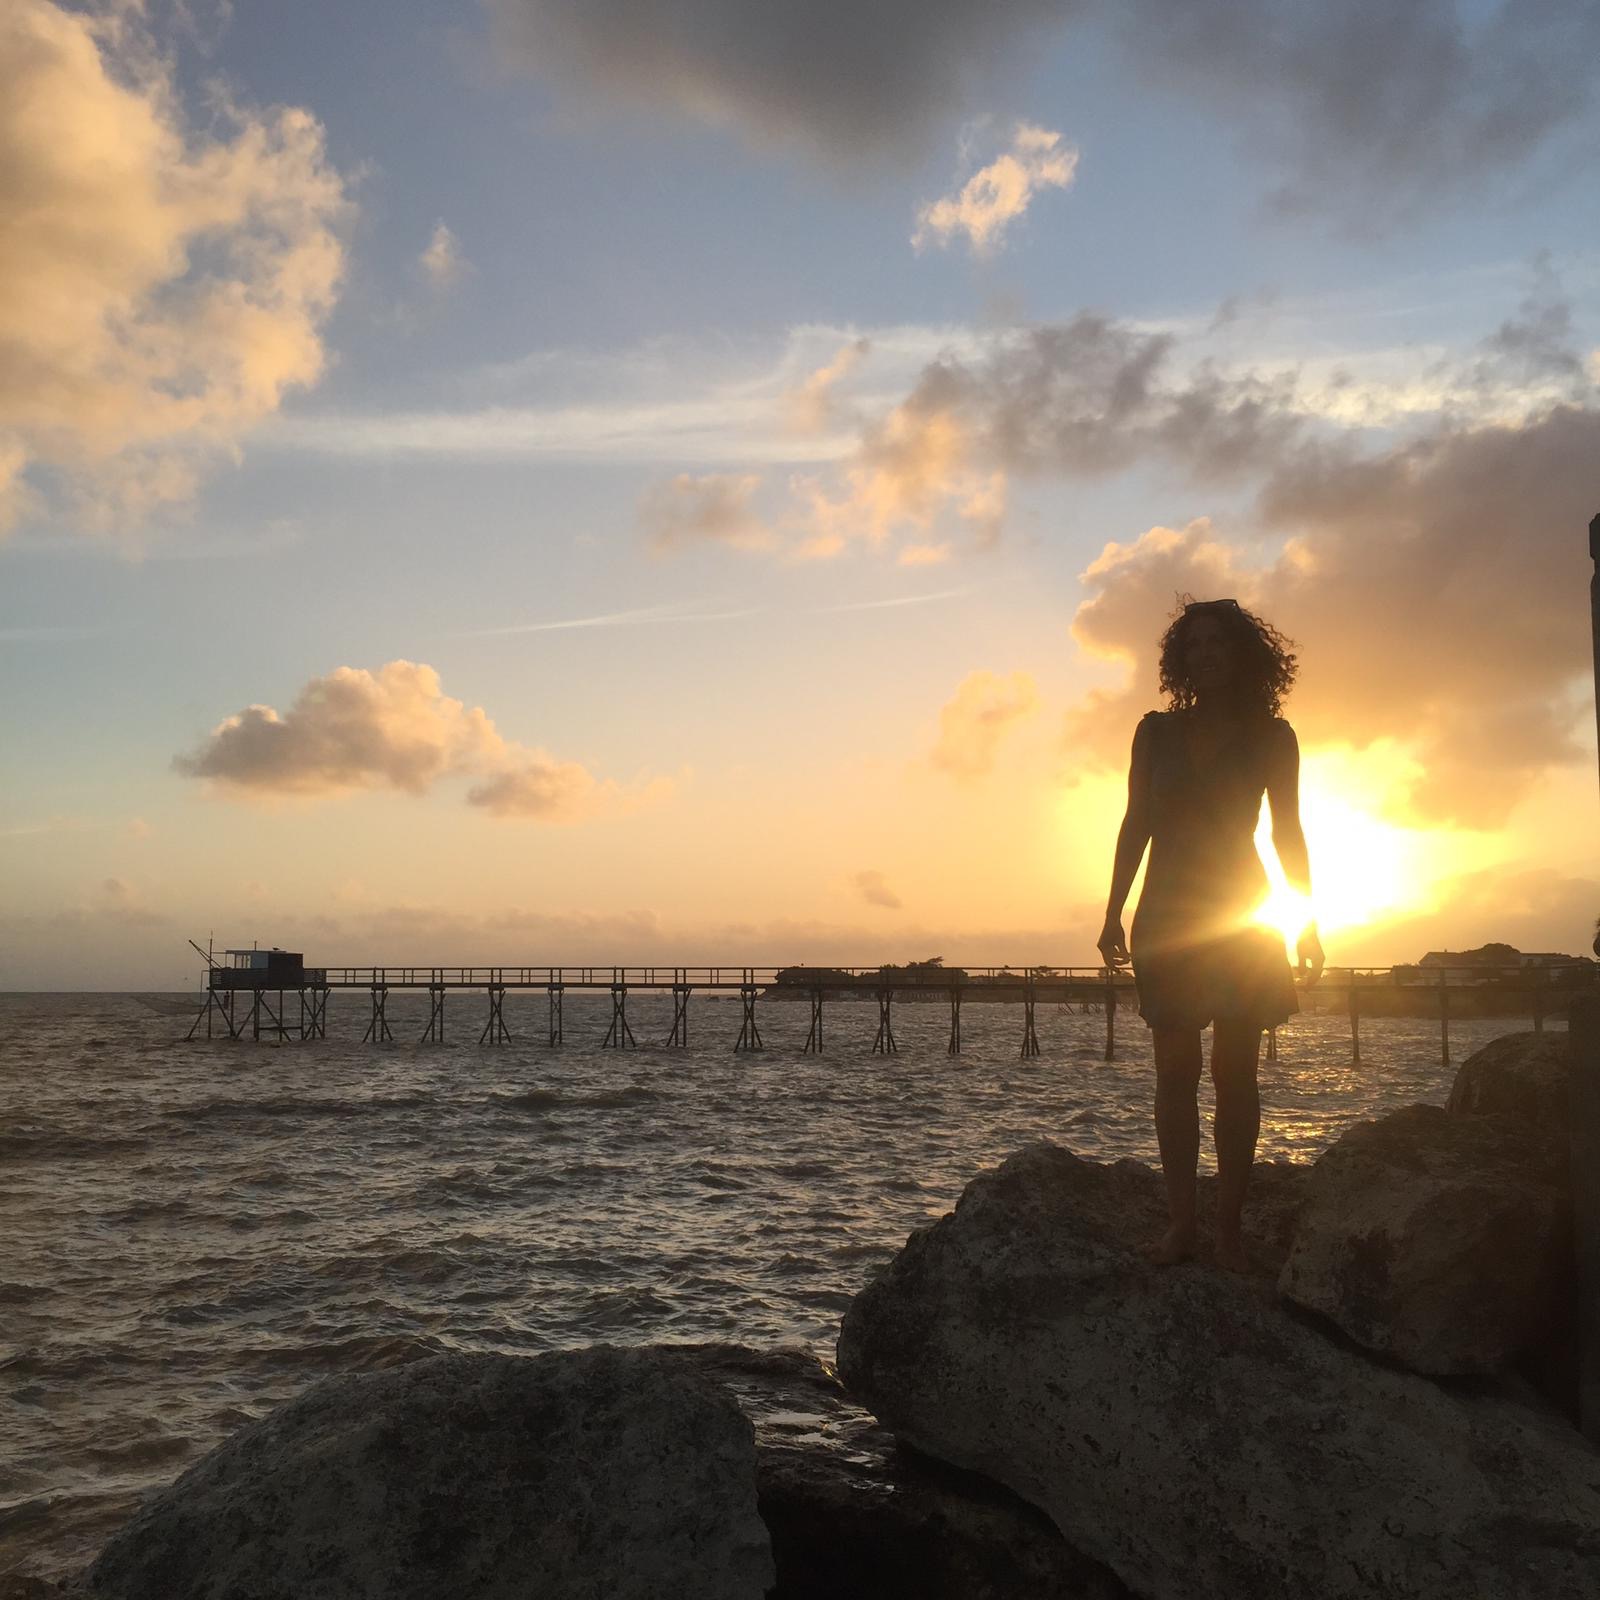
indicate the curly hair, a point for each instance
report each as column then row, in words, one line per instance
column 1265, row 665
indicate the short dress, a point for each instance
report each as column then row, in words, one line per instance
column 1199, row 956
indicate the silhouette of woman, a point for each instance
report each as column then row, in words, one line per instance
column 1195, row 783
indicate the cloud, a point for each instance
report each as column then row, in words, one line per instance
column 397, row 729
column 442, row 262
column 996, row 195
column 352, row 729
column 711, row 508
column 1433, row 591
column 161, row 288
column 540, row 789
column 976, row 718
column 115, row 902
column 813, row 405
column 1086, row 397
column 1367, row 110
column 872, row 888
column 1371, row 109
column 835, row 80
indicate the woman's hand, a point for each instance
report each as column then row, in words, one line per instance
column 1309, row 947
column 1113, row 944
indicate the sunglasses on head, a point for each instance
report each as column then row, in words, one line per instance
column 1210, row 605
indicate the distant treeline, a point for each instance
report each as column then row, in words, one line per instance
column 932, row 972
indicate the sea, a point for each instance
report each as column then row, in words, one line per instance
column 192, row 1233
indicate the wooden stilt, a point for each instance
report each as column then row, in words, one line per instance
column 1111, row 1014
column 1355, row 1021
column 1030, row 1039
column 954, row 1047
column 378, row 1028
column 679, row 1038
column 884, row 1044
column 1444, row 1019
column 749, row 1034
column 434, row 1032
column 814, row 1037
column 619, row 1036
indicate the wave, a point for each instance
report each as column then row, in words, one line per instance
column 55, row 1144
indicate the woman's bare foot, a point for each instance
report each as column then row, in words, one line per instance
column 1175, row 1245
column 1229, row 1255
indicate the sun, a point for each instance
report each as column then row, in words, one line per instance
column 1365, row 869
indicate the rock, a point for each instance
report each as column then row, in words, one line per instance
column 1442, row 1241
column 855, row 1516
column 1521, row 1075
column 1182, row 1427
column 601, row 1473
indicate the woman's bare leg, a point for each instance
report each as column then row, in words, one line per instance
column 1235, row 1052
column 1178, row 1060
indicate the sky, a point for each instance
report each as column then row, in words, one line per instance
column 621, row 481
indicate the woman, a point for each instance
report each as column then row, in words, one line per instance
column 1199, row 956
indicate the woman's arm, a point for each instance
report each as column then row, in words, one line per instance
column 1289, row 838
column 1132, row 838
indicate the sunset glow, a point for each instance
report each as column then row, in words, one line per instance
column 540, row 492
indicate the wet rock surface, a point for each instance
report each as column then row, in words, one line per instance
column 1443, row 1241
column 1184, row 1428
column 604, row 1473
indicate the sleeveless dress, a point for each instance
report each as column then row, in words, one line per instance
column 1198, row 954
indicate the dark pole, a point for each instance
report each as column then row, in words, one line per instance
column 1583, row 1043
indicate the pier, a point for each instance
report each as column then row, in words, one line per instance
column 272, row 994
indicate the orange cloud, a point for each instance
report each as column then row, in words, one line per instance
column 397, row 729
column 813, row 405
column 161, row 289
column 996, row 195
column 1433, row 591
column 872, row 887
column 714, row 508
column 976, row 718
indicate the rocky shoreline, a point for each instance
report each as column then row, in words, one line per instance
column 1022, row 1407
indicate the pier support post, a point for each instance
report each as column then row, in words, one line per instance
column 814, row 1037
column 1030, row 1039
column 495, row 1030
column 555, row 989
column 1111, row 1014
column 378, row 1028
column 1583, row 1046
column 1272, row 1044
column 884, row 1044
column 1355, row 1022
column 619, row 1036
column 314, row 1013
column 1444, row 1019
column 678, row 1039
column 749, row 1034
column 260, row 1006
column 221, row 1002
column 954, row 1047
column 434, row 1032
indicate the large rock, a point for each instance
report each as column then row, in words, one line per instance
column 1182, row 1427
column 1521, row 1075
column 1443, row 1241
column 855, row 1516
column 605, row 1474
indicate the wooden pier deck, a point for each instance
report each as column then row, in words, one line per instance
column 1375, row 991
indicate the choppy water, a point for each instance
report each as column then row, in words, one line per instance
column 191, row 1234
